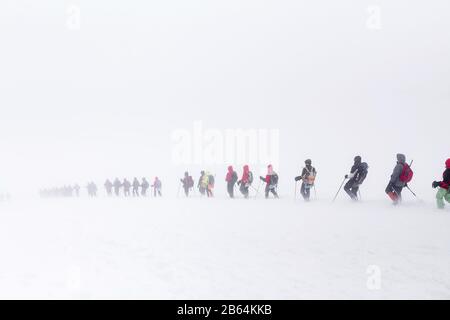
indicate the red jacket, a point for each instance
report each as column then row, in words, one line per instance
column 445, row 183
column 229, row 176
column 245, row 175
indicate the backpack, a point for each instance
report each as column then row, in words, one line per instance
column 190, row 182
column 311, row 177
column 274, row 179
column 250, row 177
column 407, row 173
column 361, row 173
column 234, row 177
column 211, row 179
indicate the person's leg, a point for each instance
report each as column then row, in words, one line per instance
column 246, row 192
column 303, row 191
column 307, row 193
column 399, row 190
column 391, row 192
column 355, row 192
column 267, row 191
column 348, row 187
column 274, row 192
column 230, row 190
column 242, row 188
column 440, row 195
column 447, row 196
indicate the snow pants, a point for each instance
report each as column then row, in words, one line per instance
column 394, row 192
column 270, row 188
column 351, row 187
column 230, row 189
column 440, row 196
column 305, row 190
column 244, row 189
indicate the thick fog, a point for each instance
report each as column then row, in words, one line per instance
column 93, row 89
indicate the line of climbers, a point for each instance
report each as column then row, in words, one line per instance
column 400, row 177
column 134, row 188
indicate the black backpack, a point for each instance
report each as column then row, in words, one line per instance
column 250, row 177
column 362, row 173
column 234, row 178
column 274, row 179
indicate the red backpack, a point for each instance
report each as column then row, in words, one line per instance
column 407, row 173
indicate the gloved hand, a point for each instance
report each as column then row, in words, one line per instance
column 298, row 178
column 435, row 184
column 346, row 176
column 239, row 183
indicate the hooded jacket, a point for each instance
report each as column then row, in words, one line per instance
column 271, row 178
column 246, row 175
column 395, row 177
column 445, row 183
column 355, row 167
column 231, row 176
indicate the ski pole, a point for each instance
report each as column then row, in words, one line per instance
column 178, row 193
column 295, row 192
column 343, row 181
column 411, row 191
column 315, row 192
column 259, row 186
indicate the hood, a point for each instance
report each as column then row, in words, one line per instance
column 246, row 169
column 269, row 169
column 401, row 158
column 357, row 160
column 447, row 163
column 230, row 168
column 364, row 165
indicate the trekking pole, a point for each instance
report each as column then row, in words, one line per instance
column 343, row 181
column 257, row 190
column 178, row 193
column 295, row 192
column 315, row 192
column 411, row 191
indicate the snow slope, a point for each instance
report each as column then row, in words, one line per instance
column 222, row 249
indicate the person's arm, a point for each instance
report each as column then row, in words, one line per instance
column 304, row 173
column 396, row 173
column 352, row 173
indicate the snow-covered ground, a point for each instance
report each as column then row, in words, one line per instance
column 223, row 249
